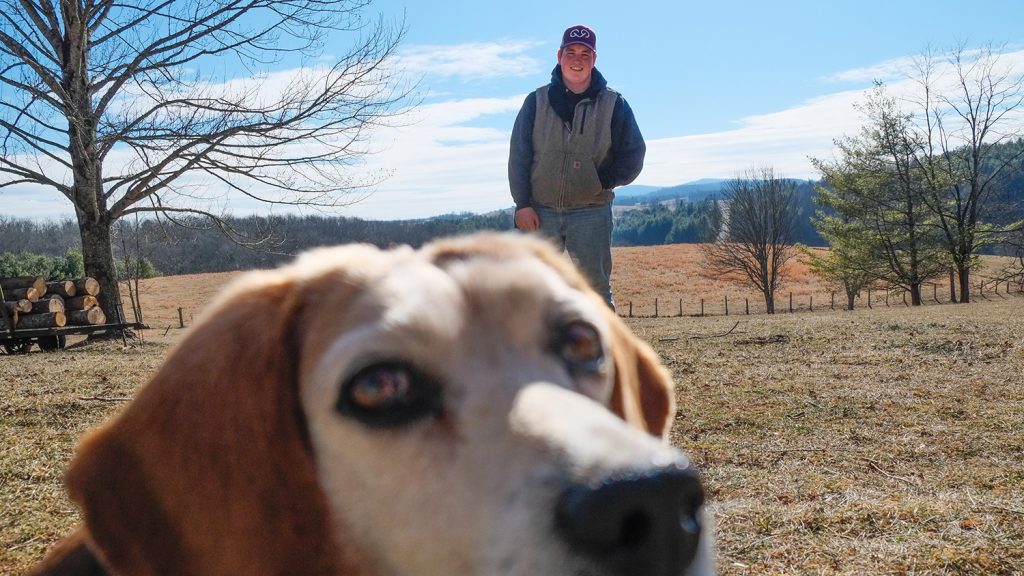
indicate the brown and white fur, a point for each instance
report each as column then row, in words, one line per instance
column 469, row 408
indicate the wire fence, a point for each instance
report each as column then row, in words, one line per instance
column 792, row 302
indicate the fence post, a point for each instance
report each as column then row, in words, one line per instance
column 680, row 307
column 812, row 303
column 181, row 318
column 726, row 304
column 630, row 308
column 935, row 293
column 886, row 297
column 655, row 307
column 833, row 300
column 747, row 300
column 701, row 307
column 869, row 297
column 790, row 302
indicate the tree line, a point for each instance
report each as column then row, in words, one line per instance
column 192, row 246
column 697, row 222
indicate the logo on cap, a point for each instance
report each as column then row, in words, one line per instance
column 579, row 34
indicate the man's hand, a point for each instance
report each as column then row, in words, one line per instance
column 526, row 219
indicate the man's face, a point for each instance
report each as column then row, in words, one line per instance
column 577, row 62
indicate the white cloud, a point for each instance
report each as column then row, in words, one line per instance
column 899, row 71
column 443, row 163
column 784, row 140
column 451, row 156
column 897, row 68
column 479, row 60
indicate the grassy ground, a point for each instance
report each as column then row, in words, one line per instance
column 48, row 401
column 876, row 442
column 886, row 441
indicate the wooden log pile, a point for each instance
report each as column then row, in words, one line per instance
column 32, row 302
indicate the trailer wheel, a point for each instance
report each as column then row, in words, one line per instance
column 51, row 343
column 18, row 346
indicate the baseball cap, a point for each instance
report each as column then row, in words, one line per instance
column 579, row 34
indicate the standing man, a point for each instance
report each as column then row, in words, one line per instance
column 573, row 142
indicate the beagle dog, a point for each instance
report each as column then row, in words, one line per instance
column 468, row 408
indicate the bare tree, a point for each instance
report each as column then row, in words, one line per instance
column 127, row 108
column 966, row 107
column 759, row 219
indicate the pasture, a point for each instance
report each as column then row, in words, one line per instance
column 883, row 441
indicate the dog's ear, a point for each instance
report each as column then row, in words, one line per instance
column 209, row 470
column 643, row 394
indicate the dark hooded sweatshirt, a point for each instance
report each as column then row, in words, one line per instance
column 575, row 149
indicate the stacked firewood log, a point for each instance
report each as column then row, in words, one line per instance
column 32, row 302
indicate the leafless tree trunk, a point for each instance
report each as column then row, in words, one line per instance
column 758, row 224
column 128, row 108
column 132, row 258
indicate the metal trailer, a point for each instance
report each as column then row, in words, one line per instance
column 20, row 341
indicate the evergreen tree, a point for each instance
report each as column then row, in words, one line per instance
column 874, row 208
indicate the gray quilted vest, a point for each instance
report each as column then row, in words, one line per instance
column 566, row 158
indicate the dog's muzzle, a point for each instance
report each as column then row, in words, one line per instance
column 639, row 524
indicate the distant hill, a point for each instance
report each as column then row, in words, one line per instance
column 633, row 190
column 680, row 214
column 689, row 192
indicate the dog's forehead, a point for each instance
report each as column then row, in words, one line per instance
column 386, row 285
column 512, row 282
column 424, row 298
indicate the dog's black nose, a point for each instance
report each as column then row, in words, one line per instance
column 645, row 523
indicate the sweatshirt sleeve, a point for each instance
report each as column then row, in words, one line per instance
column 628, row 148
column 520, row 157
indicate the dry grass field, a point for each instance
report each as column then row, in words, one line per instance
column 882, row 441
column 673, row 274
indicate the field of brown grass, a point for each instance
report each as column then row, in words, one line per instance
column 674, row 275
column 882, row 441
column 671, row 274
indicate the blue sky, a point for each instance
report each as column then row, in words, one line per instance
column 717, row 87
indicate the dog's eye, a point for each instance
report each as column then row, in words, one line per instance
column 579, row 344
column 389, row 394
